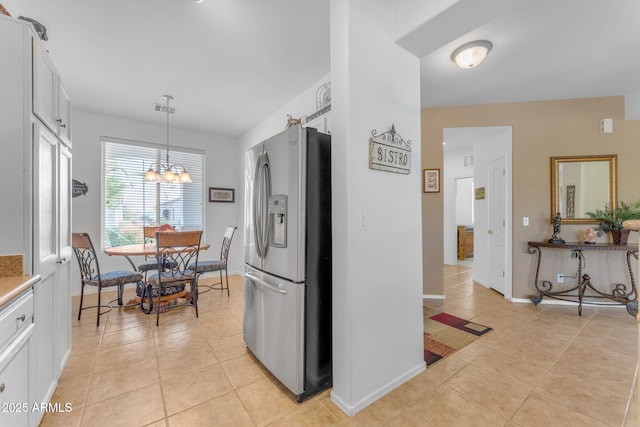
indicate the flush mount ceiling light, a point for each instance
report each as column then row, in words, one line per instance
column 198, row 1
column 167, row 172
column 471, row 54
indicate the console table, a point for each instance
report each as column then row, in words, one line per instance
column 620, row 294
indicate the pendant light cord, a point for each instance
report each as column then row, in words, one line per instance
column 168, row 98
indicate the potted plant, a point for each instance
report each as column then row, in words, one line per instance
column 611, row 219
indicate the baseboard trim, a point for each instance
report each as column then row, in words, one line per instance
column 433, row 296
column 351, row 410
column 550, row 301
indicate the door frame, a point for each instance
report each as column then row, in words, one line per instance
column 478, row 137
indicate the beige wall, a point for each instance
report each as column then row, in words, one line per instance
column 540, row 130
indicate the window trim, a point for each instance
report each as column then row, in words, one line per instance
column 104, row 140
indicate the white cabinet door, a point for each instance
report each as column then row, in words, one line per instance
column 46, row 167
column 51, row 102
column 63, row 120
column 62, row 292
column 42, row 378
column 45, row 87
column 14, row 390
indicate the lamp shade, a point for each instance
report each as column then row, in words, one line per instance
column 471, row 54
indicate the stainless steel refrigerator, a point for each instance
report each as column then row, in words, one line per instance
column 287, row 279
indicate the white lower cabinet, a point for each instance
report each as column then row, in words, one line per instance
column 14, row 395
column 16, row 328
column 42, row 379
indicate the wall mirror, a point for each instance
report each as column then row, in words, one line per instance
column 581, row 184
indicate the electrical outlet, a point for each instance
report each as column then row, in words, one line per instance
column 560, row 278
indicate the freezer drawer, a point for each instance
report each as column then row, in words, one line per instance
column 273, row 326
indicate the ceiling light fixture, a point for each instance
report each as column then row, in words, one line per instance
column 166, row 172
column 198, row 1
column 471, row 54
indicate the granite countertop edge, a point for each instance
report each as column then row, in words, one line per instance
column 13, row 287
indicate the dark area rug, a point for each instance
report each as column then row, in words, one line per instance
column 444, row 334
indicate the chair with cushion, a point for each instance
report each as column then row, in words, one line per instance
column 149, row 235
column 177, row 254
column 219, row 265
column 90, row 275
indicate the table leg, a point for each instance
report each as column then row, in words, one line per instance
column 131, row 262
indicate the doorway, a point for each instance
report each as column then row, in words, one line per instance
column 464, row 220
column 489, row 149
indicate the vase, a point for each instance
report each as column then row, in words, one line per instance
column 620, row 237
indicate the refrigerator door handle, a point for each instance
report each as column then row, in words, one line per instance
column 260, row 204
column 263, row 283
column 256, row 214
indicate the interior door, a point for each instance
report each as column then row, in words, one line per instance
column 497, row 224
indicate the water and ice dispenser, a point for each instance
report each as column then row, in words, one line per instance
column 278, row 220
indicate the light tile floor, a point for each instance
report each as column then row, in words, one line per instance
column 540, row 366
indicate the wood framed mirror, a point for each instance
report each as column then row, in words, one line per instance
column 581, row 184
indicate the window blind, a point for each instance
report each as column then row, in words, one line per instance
column 129, row 202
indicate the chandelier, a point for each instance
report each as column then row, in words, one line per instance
column 167, row 172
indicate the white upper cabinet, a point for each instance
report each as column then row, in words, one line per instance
column 45, row 97
column 51, row 103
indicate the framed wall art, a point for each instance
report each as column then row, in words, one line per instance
column 431, row 180
column 223, row 195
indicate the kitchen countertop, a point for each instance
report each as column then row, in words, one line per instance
column 12, row 287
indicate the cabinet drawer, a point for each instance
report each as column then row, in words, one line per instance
column 16, row 316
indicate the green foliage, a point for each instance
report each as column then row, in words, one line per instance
column 113, row 186
column 115, row 237
column 612, row 218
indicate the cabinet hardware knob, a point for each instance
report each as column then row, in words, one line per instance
column 62, row 125
column 61, row 260
column 21, row 318
column 2, row 388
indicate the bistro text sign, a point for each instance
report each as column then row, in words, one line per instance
column 389, row 152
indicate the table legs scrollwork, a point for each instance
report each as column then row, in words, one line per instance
column 621, row 293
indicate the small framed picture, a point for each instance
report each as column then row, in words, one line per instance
column 431, row 180
column 224, row 195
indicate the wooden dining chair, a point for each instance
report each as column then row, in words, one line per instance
column 218, row 265
column 90, row 275
column 150, row 263
column 176, row 251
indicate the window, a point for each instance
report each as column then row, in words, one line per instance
column 129, row 202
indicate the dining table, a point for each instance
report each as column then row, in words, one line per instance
column 146, row 249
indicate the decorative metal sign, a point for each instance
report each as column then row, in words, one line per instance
column 78, row 188
column 389, row 152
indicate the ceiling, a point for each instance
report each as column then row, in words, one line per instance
column 230, row 63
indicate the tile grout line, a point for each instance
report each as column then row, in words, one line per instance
column 628, row 407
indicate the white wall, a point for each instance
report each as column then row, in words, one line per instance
column 377, row 272
column 220, row 171
column 453, row 168
column 464, row 201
